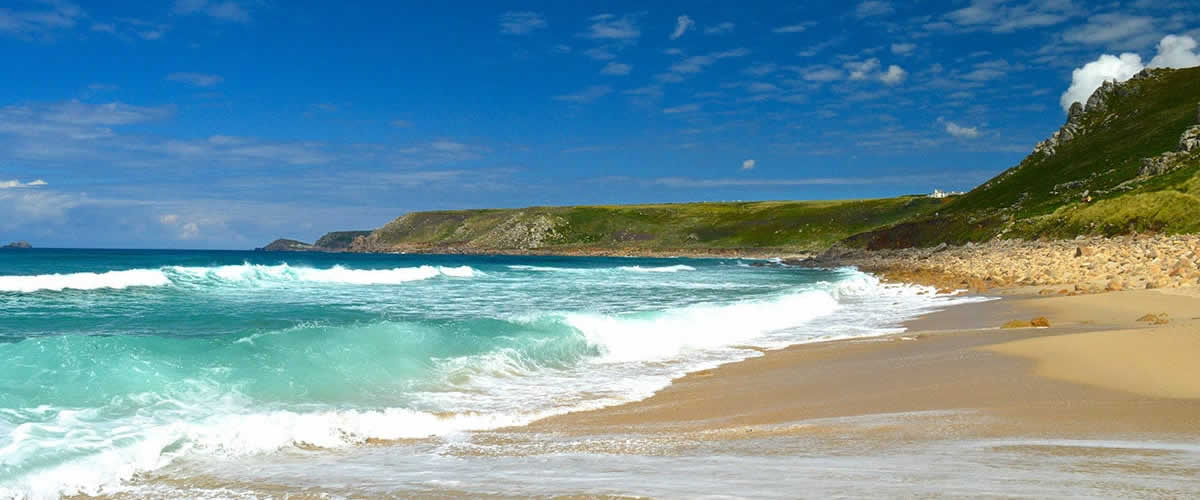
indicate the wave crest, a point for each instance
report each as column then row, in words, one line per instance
column 84, row 281
column 244, row 273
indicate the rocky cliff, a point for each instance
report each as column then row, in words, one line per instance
column 1125, row 161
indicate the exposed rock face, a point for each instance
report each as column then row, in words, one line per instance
column 338, row 240
column 18, row 244
column 1189, row 146
column 1085, row 265
column 1097, row 104
column 1190, row 140
column 521, row 232
column 1069, row 130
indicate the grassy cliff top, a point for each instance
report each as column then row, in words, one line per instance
column 1091, row 178
column 794, row 225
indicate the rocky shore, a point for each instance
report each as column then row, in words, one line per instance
column 1064, row 267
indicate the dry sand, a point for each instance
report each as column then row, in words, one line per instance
column 1096, row 372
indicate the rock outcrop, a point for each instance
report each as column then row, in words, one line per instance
column 337, row 241
column 286, row 245
column 18, row 244
column 1082, row 265
column 1189, row 147
column 1190, row 140
column 1070, row 130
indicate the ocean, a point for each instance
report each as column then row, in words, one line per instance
column 131, row 372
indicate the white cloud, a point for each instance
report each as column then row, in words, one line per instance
column 686, row 108
column 1173, row 52
column 586, row 95
column 195, row 79
column 861, row 70
column 11, row 184
column 824, row 74
column 225, row 11
column 894, row 75
column 401, row 123
column 610, row 27
column 1176, row 52
column 872, row 8
column 959, row 131
column 793, row 28
column 520, row 23
column 682, row 24
column 748, row 164
column 189, row 231
column 616, row 68
column 724, row 28
column 903, row 49
column 180, row 229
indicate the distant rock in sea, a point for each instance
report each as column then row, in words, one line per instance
column 18, row 244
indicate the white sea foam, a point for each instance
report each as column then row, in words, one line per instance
column 336, row 274
column 245, row 273
column 84, row 281
column 670, row 334
column 639, row 354
column 148, row 445
column 664, row 269
column 634, row 269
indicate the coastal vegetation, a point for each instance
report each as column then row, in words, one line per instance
column 1127, row 161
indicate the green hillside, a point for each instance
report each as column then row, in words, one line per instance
column 1100, row 153
column 1128, row 160
column 785, row 225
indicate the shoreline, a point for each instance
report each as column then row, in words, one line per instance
column 1057, row 381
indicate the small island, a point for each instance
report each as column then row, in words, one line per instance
column 18, row 244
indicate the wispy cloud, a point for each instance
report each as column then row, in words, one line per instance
column 792, row 28
column 682, row 25
column 686, row 108
column 610, row 27
column 13, row 184
column 521, row 23
column 196, row 79
column 903, row 49
column 40, row 22
column 724, row 28
column 696, row 64
column 872, row 8
column 1005, row 17
column 616, row 68
column 586, row 95
column 221, row 10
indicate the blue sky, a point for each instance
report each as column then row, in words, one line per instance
column 226, row 124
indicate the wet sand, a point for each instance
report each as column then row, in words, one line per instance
column 1097, row 372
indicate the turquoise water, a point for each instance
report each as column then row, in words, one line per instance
column 117, row 363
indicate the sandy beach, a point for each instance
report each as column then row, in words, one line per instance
column 1095, row 372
